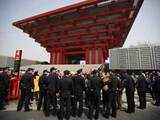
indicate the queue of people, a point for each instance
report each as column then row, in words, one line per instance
column 67, row 94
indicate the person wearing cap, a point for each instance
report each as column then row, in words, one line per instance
column 66, row 91
column 79, row 88
column 95, row 88
column 26, row 87
column 4, row 86
column 43, row 87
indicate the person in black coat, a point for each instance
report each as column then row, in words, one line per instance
column 141, row 86
column 4, row 86
column 112, row 96
column 87, row 90
column 79, row 87
column 52, row 90
column 43, row 86
column 129, row 85
column 26, row 86
column 95, row 88
column 105, row 80
column 156, row 87
column 65, row 91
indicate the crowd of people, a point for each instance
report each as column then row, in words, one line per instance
column 68, row 94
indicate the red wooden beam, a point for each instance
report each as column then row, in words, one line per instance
column 113, row 29
column 48, row 25
column 73, row 38
column 43, row 24
column 121, row 19
column 92, row 39
column 82, row 46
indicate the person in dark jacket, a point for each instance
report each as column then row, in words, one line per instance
column 120, row 92
column 152, row 82
column 4, row 86
column 73, row 112
column 112, row 96
column 43, row 85
column 66, row 91
column 87, row 90
column 157, row 88
column 26, row 87
column 95, row 88
column 129, row 85
column 52, row 90
column 79, row 87
column 105, row 78
column 141, row 86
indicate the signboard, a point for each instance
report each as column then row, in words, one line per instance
column 18, row 54
column 17, row 60
column 82, row 62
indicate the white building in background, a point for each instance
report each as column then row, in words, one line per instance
column 143, row 57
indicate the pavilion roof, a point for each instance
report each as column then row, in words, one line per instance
column 98, row 22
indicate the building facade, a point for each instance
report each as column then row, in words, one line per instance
column 83, row 31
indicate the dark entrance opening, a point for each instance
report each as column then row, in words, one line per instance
column 75, row 59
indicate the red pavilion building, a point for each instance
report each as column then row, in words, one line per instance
column 83, row 31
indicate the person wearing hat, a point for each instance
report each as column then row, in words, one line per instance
column 79, row 88
column 26, row 87
column 66, row 91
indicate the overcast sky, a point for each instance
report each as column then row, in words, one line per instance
column 146, row 28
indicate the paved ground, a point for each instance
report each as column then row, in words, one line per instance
column 151, row 113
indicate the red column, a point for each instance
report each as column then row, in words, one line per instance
column 87, row 56
column 90, row 56
column 100, row 56
column 51, row 58
column 60, row 56
column 94, row 55
column 57, row 56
